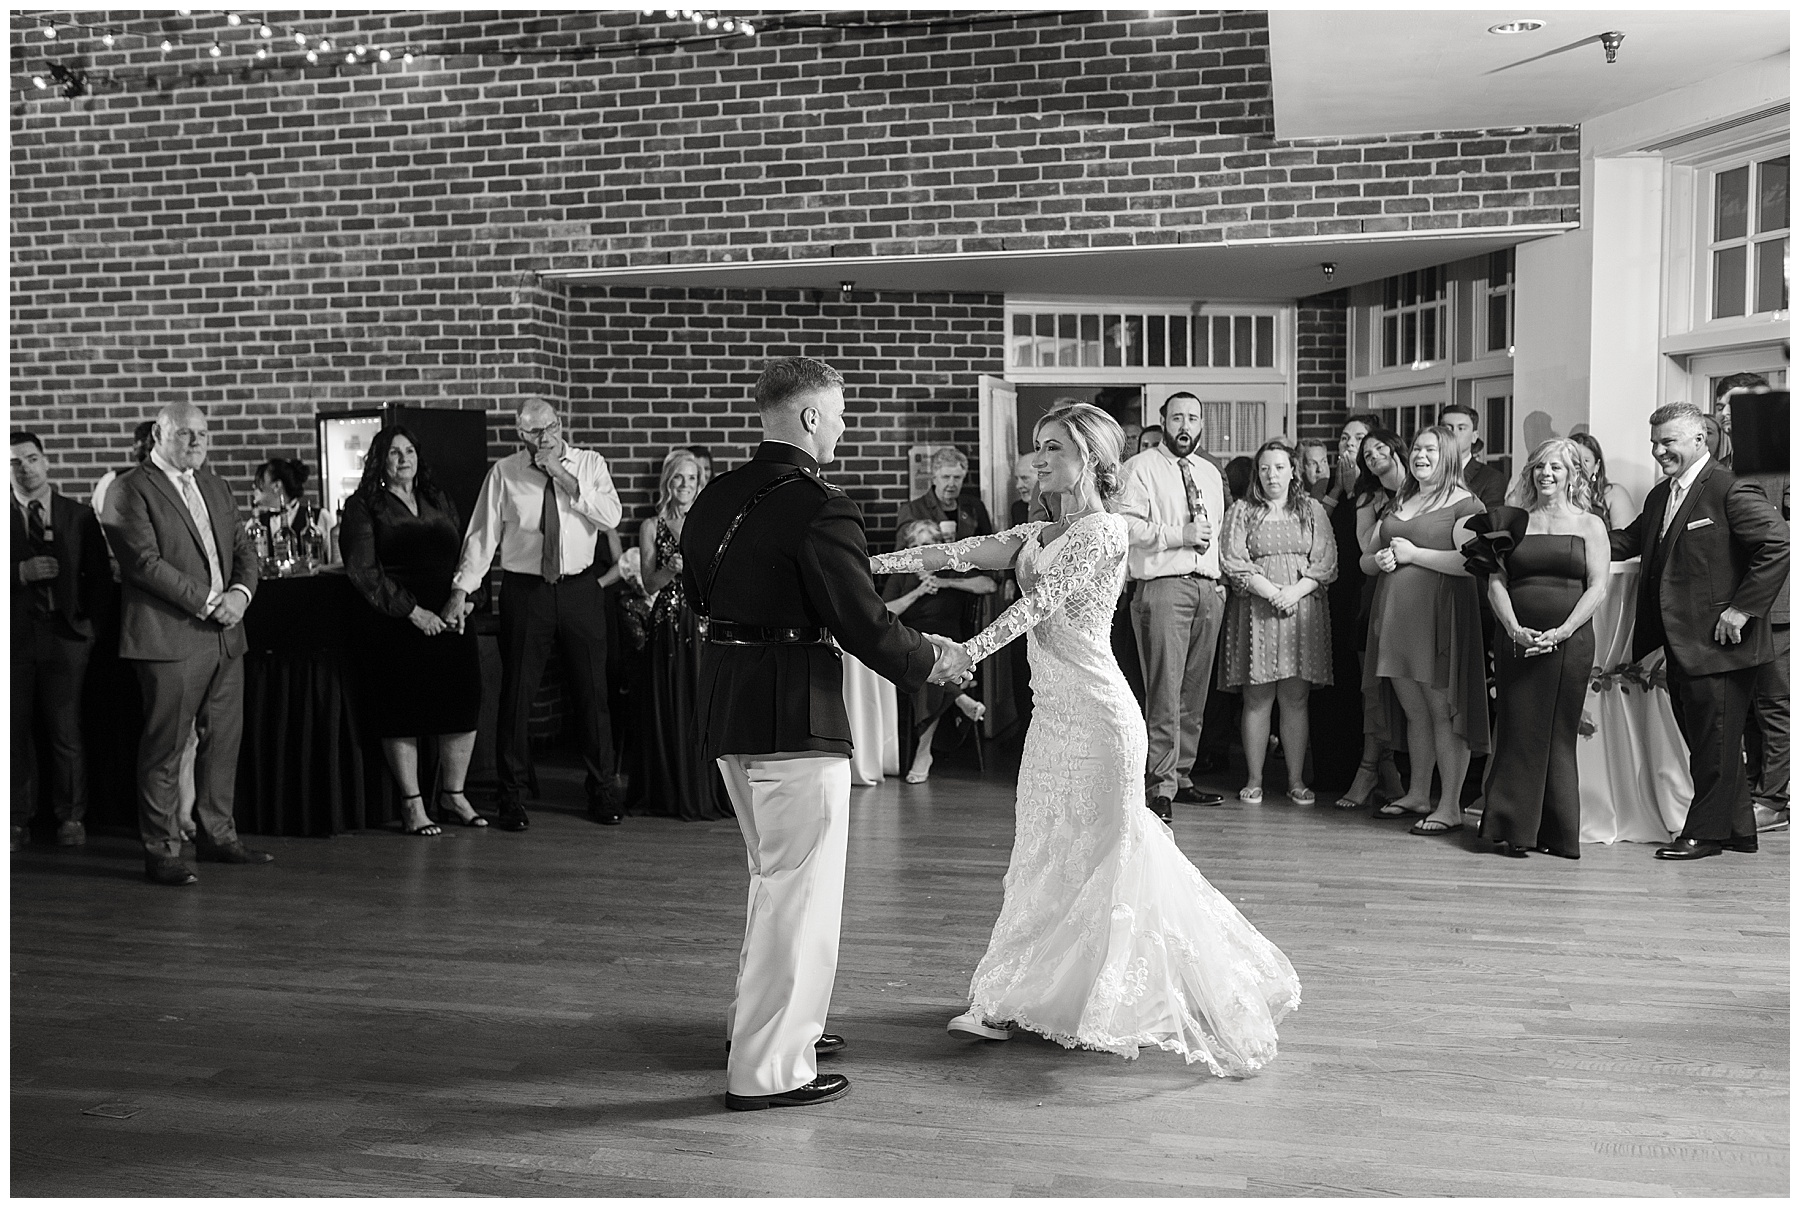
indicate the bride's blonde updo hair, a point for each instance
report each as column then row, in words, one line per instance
column 1099, row 439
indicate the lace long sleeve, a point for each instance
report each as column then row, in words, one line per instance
column 1090, row 553
column 1321, row 559
column 995, row 552
column 1235, row 562
column 363, row 565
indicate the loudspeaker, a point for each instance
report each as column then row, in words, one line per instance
column 1759, row 433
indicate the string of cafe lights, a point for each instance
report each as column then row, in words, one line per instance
column 276, row 45
column 305, row 45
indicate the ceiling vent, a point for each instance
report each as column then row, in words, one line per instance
column 1717, row 128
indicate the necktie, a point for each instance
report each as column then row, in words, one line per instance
column 550, row 524
column 43, row 595
column 1676, row 494
column 1196, row 504
column 190, row 492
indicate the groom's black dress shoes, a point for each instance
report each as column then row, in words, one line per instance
column 1690, row 849
column 1195, row 795
column 824, row 1046
column 1161, row 808
column 822, row 1089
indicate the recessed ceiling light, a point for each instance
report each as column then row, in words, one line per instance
column 1524, row 26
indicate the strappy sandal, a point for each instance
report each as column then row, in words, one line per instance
column 470, row 819
column 1250, row 795
column 429, row 828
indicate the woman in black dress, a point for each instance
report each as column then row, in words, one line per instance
column 1380, row 473
column 1335, row 746
column 1548, row 565
column 934, row 605
column 678, row 781
column 417, row 674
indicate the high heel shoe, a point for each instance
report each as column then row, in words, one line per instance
column 1367, row 775
column 469, row 819
column 425, row 829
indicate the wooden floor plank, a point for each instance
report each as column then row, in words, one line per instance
column 542, row 1015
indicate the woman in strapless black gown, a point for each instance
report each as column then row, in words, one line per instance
column 1548, row 566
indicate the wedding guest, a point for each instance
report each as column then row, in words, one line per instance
column 1715, row 552
column 703, row 456
column 1478, row 478
column 944, row 505
column 1133, row 430
column 1314, row 471
column 541, row 510
column 1278, row 552
column 188, row 573
column 679, row 782
column 1381, row 472
column 1718, row 440
column 1171, row 499
column 281, row 504
column 1547, row 565
column 1240, row 472
column 142, row 438
column 930, row 605
column 1425, row 633
column 60, row 579
column 1606, row 499
column 418, row 675
column 1149, row 438
column 1024, row 490
column 1336, row 746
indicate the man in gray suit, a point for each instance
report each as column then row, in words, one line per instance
column 188, row 570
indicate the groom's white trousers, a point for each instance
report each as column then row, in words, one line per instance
column 794, row 810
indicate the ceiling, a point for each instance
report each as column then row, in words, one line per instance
column 1442, row 70
column 1248, row 270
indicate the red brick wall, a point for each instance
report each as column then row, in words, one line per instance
column 274, row 243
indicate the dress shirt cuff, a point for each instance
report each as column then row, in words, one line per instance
column 248, row 595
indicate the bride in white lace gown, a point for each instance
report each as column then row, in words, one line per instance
column 1108, row 938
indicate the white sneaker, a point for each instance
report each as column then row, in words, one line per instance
column 973, row 1026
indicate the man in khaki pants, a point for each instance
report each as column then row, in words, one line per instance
column 1174, row 504
column 776, row 559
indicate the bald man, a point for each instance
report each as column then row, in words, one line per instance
column 187, row 571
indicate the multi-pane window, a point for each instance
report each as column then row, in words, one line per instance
column 1414, row 310
column 1053, row 339
column 1750, row 238
column 1500, row 301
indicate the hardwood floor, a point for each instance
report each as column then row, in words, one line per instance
column 541, row 1014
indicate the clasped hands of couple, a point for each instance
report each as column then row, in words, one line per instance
column 954, row 666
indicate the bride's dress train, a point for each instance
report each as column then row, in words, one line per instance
column 1108, row 938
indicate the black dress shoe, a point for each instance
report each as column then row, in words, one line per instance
column 1688, row 849
column 1502, row 847
column 1743, row 843
column 233, row 853
column 1161, row 808
column 167, row 870
column 824, row 1046
column 822, row 1089
column 512, row 818
column 1195, row 795
column 604, row 812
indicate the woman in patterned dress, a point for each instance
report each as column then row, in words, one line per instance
column 1108, row 938
column 1278, row 552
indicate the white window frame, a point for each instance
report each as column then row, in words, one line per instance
column 1282, row 371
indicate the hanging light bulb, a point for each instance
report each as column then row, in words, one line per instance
column 325, row 45
column 233, row 19
column 350, row 57
column 263, row 31
column 362, row 48
column 262, row 52
column 216, row 50
column 167, row 46
column 312, row 56
column 299, row 38
column 49, row 28
column 184, row 12
column 106, row 39
column 407, row 58
column 37, row 81
column 384, row 56
column 729, row 25
column 712, row 23
column 669, row 13
column 745, row 28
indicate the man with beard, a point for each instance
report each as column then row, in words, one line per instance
column 1173, row 500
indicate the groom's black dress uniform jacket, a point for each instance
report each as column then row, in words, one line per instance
column 800, row 561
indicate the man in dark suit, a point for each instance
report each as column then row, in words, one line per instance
column 1714, row 556
column 776, row 559
column 1483, row 481
column 59, row 580
column 188, row 570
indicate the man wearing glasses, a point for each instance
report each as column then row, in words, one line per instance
column 541, row 509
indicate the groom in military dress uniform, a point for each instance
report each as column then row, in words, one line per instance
column 776, row 560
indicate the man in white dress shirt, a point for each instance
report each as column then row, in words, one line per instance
column 541, row 510
column 1174, row 502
